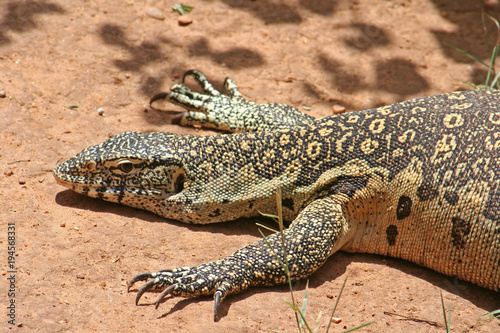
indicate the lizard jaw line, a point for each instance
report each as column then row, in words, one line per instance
column 110, row 192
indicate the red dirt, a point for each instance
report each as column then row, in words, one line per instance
column 75, row 254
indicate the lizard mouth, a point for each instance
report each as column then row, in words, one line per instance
column 102, row 191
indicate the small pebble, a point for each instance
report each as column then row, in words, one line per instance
column 3, row 94
column 155, row 13
column 337, row 108
column 336, row 320
column 491, row 4
column 185, row 20
column 22, row 181
column 100, row 111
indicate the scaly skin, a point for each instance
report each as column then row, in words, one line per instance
column 418, row 180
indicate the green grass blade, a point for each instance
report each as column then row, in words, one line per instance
column 495, row 81
column 336, row 303
column 467, row 55
column 291, row 305
column 302, row 318
column 285, row 267
column 265, row 227
column 446, row 318
column 358, row 327
column 284, row 262
column 495, row 314
column 274, row 217
column 491, row 67
column 318, row 322
column 304, row 305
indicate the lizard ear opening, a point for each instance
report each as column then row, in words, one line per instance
column 178, row 181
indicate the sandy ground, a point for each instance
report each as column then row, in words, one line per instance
column 74, row 254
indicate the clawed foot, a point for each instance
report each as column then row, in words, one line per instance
column 209, row 279
column 209, row 109
column 231, row 112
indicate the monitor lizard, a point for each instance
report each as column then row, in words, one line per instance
column 417, row 180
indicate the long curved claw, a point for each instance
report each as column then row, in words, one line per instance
column 148, row 286
column 156, row 97
column 140, row 277
column 218, row 300
column 166, row 292
column 182, row 96
column 220, row 293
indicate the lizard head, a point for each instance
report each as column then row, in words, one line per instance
column 174, row 176
column 134, row 169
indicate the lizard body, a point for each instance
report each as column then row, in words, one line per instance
column 417, row 180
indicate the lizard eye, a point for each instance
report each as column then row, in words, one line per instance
column 126, row 166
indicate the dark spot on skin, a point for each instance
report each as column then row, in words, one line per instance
column 100, row 192
column 288, row 203
column 459, row 230
column 121, row 195
column 404, row 207
column 250, row 205
column 426, row 192
column 392, row 233
column 226, row 201
column 451, row 197
column 348, row 185
column 215, row 213
column 492, row 207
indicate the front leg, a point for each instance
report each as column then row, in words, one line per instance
column 231, row 113
column 318, row 231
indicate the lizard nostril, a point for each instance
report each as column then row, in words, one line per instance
column 90, row 166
